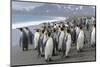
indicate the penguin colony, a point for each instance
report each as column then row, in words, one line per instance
column 57, row 39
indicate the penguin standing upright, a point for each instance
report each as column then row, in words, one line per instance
column 73, row 35
column 61, row 36
column 80, row 40
column 24, row 40
column 49, row 48
column 30, row 36
column 93, row 36
column 54, row 36
column 44, row 37
column 41, row 43
column 68, row 42
column 77, row 31
column 36, row 38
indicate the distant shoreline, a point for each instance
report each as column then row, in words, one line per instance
column 32, row 23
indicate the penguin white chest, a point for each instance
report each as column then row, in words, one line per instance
column 77, row 31
column 93, row 36
column 80, row 40
column 36, row 38
column 68, row 44
column 49, row 47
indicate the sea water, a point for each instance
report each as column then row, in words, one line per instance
column 27, row 18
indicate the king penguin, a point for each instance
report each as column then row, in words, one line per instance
column 48, row 47
column 68, row 42
column 77, row 31
column 61, row 37
column 93, row 36
column 36, row 38
column 80, row 40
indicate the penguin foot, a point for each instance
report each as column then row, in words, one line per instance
column 92, row 46
column 81, row 50
column 59, row 50
column 46, row 60
column 35, row 49
column 78, row 51
column 67, row 56
column 53, row 54
column 42, row 55
column 50, row 59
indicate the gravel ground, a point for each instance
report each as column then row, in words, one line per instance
column 18, row 57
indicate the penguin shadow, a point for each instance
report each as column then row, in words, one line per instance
column 49, row 62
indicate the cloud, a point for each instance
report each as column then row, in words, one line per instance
column 31, row 8
column 24, row 5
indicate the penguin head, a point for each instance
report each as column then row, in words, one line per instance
column 81, row 27
column 68, row 30
column 37, row 30
column 21, row 29
column 26, row 28
column 49, row 34
column 62, row 28
column 42, row 30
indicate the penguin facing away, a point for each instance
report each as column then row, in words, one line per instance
column 80, row 40
column 61, row 36
column 30, row 36
column 49, row 48
column 41, row 43
column 23, row 40
column 68, row 42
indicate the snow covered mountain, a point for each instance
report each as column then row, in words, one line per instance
column 29, row 8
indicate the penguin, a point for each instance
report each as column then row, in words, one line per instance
column 48, row 48
column 55, row 26
column 54, row 36
column 68, row 42
column 41, row 43
column 73, row 35
column 24, row 40
column 30, row 36
column 77, row 30
column 80, row 40
column 45, row 37
column 93, row 36
column 36, row 38
column 61, row 36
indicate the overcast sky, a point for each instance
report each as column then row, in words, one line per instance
column 50, row 9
